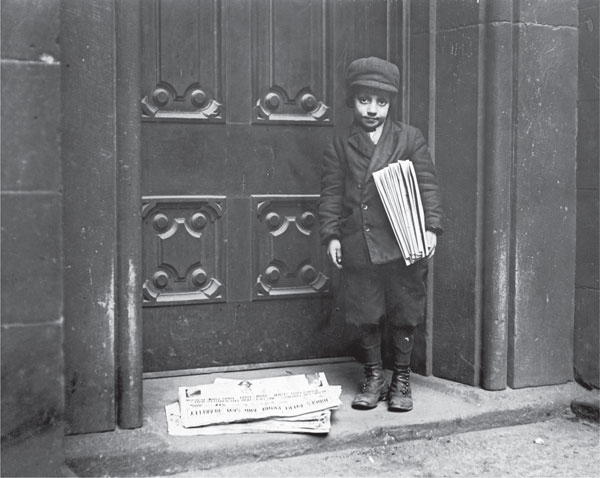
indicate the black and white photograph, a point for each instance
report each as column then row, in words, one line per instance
column 300, row 238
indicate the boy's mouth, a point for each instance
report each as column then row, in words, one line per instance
column 370, row 120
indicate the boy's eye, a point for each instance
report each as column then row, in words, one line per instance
column 382, row 101
column 363, row 99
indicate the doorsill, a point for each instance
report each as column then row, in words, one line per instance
column 238, row 368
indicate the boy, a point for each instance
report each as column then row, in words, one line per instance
column 376, row 282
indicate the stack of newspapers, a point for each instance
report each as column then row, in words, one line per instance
column 291, row 404
column 399, row 191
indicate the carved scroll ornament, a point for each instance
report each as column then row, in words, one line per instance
column 277, row 106
column 194, row 104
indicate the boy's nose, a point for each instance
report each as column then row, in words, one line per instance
column 371, row 108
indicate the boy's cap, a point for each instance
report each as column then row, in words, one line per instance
column 373, row 72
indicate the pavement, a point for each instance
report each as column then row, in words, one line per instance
column 441, row 408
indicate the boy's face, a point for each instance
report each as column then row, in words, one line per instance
column 371, row 108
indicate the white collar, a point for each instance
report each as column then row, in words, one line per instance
column 375, row 135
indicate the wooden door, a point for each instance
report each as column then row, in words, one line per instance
column 240, row 97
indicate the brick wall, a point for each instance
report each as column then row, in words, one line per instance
column 32, row 325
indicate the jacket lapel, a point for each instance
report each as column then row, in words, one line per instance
column 359, row 139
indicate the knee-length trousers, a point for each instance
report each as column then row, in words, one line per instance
column 392, row 292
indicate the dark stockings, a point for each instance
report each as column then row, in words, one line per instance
column 370, row 343
column 402, row 344
column 403, row 339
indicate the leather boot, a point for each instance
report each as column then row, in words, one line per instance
column 375, row 388
column 400, row 396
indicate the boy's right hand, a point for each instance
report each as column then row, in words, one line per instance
column 334, row 252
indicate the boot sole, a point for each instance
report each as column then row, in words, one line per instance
column 382, row 397
column 398, row 408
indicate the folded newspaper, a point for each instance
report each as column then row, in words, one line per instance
column 399, row 191
column 292, row 403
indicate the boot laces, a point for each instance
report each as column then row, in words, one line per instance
column 369, row 381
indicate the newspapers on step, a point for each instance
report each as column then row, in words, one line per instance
column 292, row 403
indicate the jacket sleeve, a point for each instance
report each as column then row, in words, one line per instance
column 332, row 192
column 428, row 183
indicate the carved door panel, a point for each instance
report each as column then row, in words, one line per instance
column 240, row 99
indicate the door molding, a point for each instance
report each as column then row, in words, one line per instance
column 129, row 364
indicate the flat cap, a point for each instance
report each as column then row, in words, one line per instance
column 373, row 72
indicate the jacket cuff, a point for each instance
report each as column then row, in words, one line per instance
column 326, row 239
column 438, row 231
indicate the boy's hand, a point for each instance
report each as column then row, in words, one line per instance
column 334, row 252
column 430, row 242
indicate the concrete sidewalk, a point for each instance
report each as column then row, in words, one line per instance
column 441, row 408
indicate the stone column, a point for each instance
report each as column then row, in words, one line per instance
column 505, row 127
column 90, row 212
column 540, row 350
column 587, row 290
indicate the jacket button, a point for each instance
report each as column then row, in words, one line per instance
column 367, row 229
column 365, row 206
column 359, row 186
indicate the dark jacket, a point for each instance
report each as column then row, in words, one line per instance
column 350, row 208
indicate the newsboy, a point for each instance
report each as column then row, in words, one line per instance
column 377, row 284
